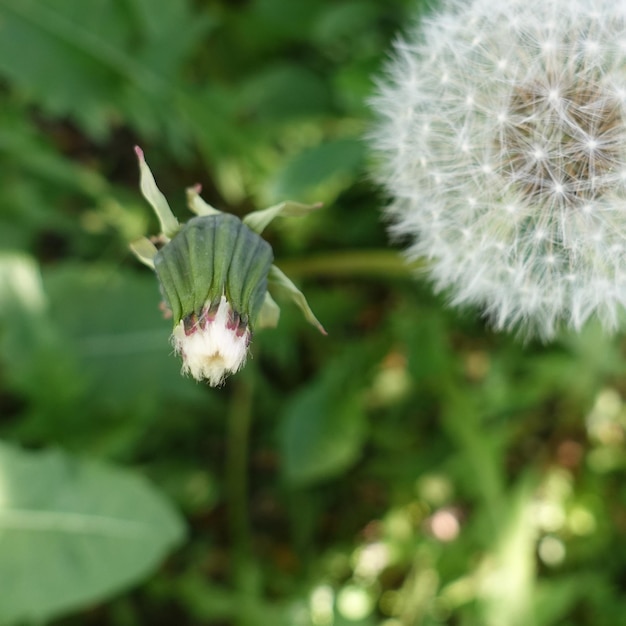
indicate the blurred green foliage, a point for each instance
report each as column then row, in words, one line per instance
column 410, row 469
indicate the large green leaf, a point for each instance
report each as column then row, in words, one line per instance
column 98, row 61
column 325, row 425
column 113, row 327
column 320, row 171
column 88, row 336
column 72, row 532
column 286, row 90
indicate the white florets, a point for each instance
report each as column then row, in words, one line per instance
column 213, row 345
column 502, row 140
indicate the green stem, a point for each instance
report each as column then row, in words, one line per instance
column 364, row 263
column 239, row 423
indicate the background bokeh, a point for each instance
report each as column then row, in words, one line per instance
column 412, row 468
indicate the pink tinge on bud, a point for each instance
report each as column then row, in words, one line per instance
column 233, row 321
column 242, row 328
column 190, row 324
column 209, row 313
column 213, row 345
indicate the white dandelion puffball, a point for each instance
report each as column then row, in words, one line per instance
column 502, row 140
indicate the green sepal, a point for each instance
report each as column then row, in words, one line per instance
column 269, row 314
column 196, row 204
column 145, row 251
column 227, row 231
column 211, row 256
column 150, row 191
column 258, row 220
column 173, row 271
column 278, row 280
column 248, row 271
column 199, row 255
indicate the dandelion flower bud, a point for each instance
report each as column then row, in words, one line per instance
column 213, row 276
column 502, row 141
column 215, row 272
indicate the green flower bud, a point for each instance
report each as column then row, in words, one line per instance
column 214, row 273
column 213, row 276
column 210, row 257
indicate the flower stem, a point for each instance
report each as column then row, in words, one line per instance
column 365, row 263
column 239, row 423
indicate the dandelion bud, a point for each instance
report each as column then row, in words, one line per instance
column 502, row 141
column 215, row 272
column 213, row 276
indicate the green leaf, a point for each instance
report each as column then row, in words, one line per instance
column 73, row 532
column 23, row 326
column 285, row 91
column 325, row 425
column 25, row 148
column 97, row 61
column 332, row 164
column 509, row 573
column 112, row 326
column 279, row 20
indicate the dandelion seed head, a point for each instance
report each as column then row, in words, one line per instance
column 520, row 108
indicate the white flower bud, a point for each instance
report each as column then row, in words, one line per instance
column 502, row 141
